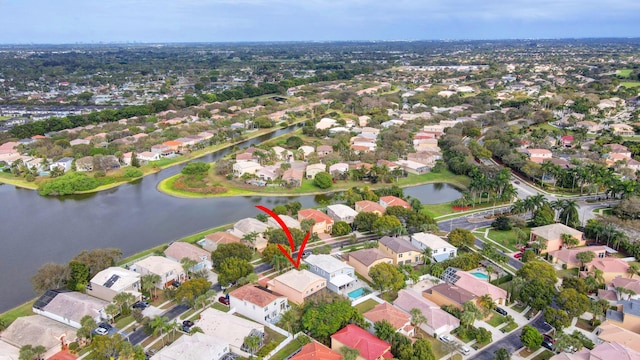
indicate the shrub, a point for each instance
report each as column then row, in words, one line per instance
column 267, row 349
column 73, row 347
column 99, row 174
column 196, row 168
column 68, row 184
column 132, row 173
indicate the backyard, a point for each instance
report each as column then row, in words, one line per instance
column 508, row 238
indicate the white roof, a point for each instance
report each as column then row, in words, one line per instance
column 230, row 328
column 342, row 210
column 326, row 262
column 159, row 265
column 288, row 220
column 341, row 280
column 194, row 347
column 248, row 225
column 298, row 280
column 431, row 241
column 125, row 278
column 74, row 306
column 37, row 330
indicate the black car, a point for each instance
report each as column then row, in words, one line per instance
column 140, row 305
column 105, row 326
column 547, row 344
column 176, row 284
column 186, row 328
column 188, row 323
column 501, row 311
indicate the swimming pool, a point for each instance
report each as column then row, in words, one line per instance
column 480, row 275
column 356, row 293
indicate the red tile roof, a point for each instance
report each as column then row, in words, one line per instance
column 316, row 351
column 254, row 295
column 395, row 201
column 369, row 346
column 317, row 215
column 385, row 311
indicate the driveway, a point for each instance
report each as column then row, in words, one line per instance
column 512, row 341
column 139, row 335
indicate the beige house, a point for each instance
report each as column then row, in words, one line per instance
column 363, row 260
column 297, row 285
column 341, row 212
column 168, row 270
column 400, row 320
column 313, row 170
column 112, row 281
column 568, row 256
column 448, row 294
column 323, row 223
column 611, row 333
column 211, row 241
column 37, row 330
column 553, row 235
column 626, row 316
column 400, row 250
column 369, row 206
column 611, row 268
column 622, row 129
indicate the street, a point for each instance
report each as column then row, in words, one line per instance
column 139, row 335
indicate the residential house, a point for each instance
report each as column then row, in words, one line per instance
column 326, row 123
column 552, row 235
column 339, row 275
column 258, row 303
column 324, row 150
column 293, row 177
column 608, row 332
column 632, row 286
column 363, row 260
column 592, row 127
column 75, row 142
column 440, row 249
column 84, row 163
column 230, row 328
column 211, row 241
column 179, row 250
column 64, row 164
column 538, row 155
column 338, row 169
column 566, row 258
column 297, row 285
column 196, row 346
column 341, row 212
column 69, row 307
column 619, row 149
column 168, row 270
column 369, row 206
column 313, row 170
column 323, row 223
column 282, row 153
column 400, row 250
column 369, row 346
column 438, row 320
column 288, row 220
column 269, row 172
column 387, row 201
column 246, row 167
column 604, row 351
column 622, row 129
column 175, row 146
column 146, row 156
column 425, row 157
column 566, row 141
column 448, row 294
column 611, row 268
column 400, row 320
column 112, row 281
column 627, row 315
column 306, row 150
column 413, row 167
column 474, row 285
column 249, row 226
column 37, row 330
column 316, row 351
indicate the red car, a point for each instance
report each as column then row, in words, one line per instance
column 224, row 300
column 517, row 255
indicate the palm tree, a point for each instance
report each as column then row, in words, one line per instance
column 112, row 310
column 632, row 270
column 278, row 260
column 349, row 353
column 149, row 282
column 124, row 299
column 252, row 343
column 159, row 325
column 569, row 212
column 188, row 264
column 599, row 276
column 489, row 271
column 417, row 317
column 38, row 351
column 569, row 241
column 486, row 302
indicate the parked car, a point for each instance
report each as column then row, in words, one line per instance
column 446, row 339
column 188, row 323
column 101, row 331
column 224, row 300
column 186, row 328
column 176, row 283
column 547, row 344
column 517, row 255
column 501, row 311
column 140, row 305
column 464, row 350
column 306, row 253
column 549, row 338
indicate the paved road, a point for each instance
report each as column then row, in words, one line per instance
column 512, row 341
column 139, row 335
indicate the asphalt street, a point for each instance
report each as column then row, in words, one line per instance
column 139, row 335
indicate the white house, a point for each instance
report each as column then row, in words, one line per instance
column 257, row 304
column 168, row 270
column 245, row 167
column 179, row 250
column 228, row 327
column 147, row 156
column 69, row 307
column 341, row 212
column 113, row 280
column 440, row 249
column 313, row 170
column 339, row 275
column 194, row 347
column 64, row 164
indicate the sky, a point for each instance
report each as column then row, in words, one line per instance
column 162, row 21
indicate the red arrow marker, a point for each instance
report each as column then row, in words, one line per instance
column 287, row 232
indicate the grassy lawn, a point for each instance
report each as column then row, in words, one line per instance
column 545, row 355
column 568, row 273
column 584, row 325
column 366, row 306
column 289, row 348
column 624, row 72
column 122, row 322
column 509, row 327
column 630, row 84
column 496, row 320
column 220, row 307
column 507, row 238
column 530, row 313
column 519, row 308
column 439, row 350
column 464, row 339
column 23, row 310
column 389, row 296
column 273, row 336
column 526, row 353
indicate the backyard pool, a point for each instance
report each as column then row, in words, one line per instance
column 480, row 275
column 356, row 293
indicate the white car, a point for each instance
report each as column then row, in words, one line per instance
column 446, row 338
column 464, row 350
column 101, row 331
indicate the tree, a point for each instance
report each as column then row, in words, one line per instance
column 149, row 281
column 544, row 216
column 340, row 228
column 112, row 310
column 559, row 319
column 233, row 250
column 632, row 270
column 26, row 352
column 577, row 284
column 502, row 354
column 422, row 350
column 574, row 303
column 531, row 337
column 38, row 351
column 386, row 277
column 461, row 238
column 565, row 341
column 99, row 259
column 502, row 223
column 252, row 343
column 269, row 252
column 470, row 313
column 293, row 142
column 124, row 300
column 364, row 221
column 114, row 347
column 188, row 264
column 486, row 303
column 538, row 270
column 196, row 168
column 417, row 317
column 386, row 225
column 323, row 180
column 585, row 257
column 349, row 353
column 78, row 276
column 159, row 325
column 384, row 330
column 190, row 290
column 324, row 319
column 569, row 241
column 537, row 293
column 232, row 269
column 50, row 276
